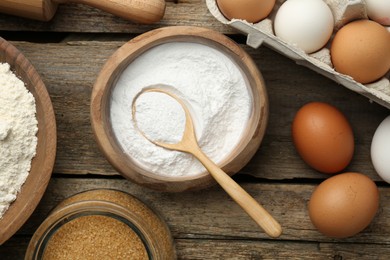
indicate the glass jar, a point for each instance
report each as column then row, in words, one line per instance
column 102, row 223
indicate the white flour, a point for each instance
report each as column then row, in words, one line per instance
column 214, row 88
column 18, row 141
column 160, row 117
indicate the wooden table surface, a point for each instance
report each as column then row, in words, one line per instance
column 69, row 52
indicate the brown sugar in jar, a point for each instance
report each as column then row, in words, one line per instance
column 102, row 224
column 89, row 237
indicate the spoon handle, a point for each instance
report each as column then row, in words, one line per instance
column 142, row 11
column 241, row 197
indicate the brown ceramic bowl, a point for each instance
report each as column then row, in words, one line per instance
column 116, row 64
column 42, row 164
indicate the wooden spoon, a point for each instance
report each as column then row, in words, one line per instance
column 142, row 11
column 189, row 144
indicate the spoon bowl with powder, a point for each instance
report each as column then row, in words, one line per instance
column 189, row 144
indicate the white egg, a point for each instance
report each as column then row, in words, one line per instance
column 379, row 11
column 380, row 150
column 308, row 24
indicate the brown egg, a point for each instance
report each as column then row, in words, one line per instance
column 250, row 10
column 361, row 49
column 323, row 137
column 344, row 205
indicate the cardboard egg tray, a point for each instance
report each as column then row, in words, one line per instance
column 343, row 11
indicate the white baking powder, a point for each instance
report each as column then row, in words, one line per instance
column 211, row 84
column 18, row 141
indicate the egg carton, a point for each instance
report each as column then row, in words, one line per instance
column 343, row 11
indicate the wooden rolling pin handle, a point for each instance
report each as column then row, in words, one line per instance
column 140, row 11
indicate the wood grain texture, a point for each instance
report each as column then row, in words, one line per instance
column 69, row 52
column 32, row 9
column 69, row 79
column 241, row 249
column 81, row 18
column 211, row 214
column 140, row 11
column 236, row 249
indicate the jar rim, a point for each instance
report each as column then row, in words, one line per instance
column 60, row 217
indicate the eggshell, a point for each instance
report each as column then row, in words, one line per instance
column 344, row 205
column 323, row 137
column 361, row 49
column 308, row 24
column 250, row 10
column 379, row 11
column 380, row 150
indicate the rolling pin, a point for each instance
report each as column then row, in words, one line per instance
column 140, row 11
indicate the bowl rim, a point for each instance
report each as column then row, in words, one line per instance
column 123, row 56
column 42, row 164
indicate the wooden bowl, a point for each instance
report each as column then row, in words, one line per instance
column 116, row 64
column 42, row 164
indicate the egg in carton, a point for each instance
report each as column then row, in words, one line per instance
column 344, row 11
